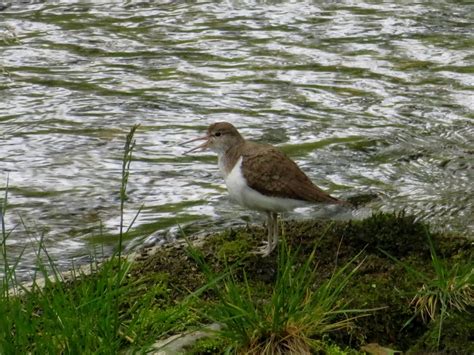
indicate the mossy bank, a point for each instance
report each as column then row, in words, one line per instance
column 380, row 283
column 169, row 292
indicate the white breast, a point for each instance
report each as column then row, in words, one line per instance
column 250, row 198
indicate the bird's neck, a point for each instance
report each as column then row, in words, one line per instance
column 229, row 158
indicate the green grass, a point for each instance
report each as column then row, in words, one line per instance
column 300, row 309
column 448, row 289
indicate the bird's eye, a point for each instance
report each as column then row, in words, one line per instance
column 218, row 134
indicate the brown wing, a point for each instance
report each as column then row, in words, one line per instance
column 272, row 173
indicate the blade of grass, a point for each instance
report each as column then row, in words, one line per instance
column 126, row 161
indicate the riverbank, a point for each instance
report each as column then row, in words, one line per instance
column 391, row 285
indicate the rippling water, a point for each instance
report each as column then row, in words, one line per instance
column 366, row 96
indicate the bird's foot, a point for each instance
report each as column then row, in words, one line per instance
column 264, row 250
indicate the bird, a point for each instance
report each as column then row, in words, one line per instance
column 261, row 177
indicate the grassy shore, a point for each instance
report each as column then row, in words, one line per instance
column 380, row 285
column 332, row 287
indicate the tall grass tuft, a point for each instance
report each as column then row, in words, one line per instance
column 126, row 161
column 3, row 245
column 300, row 308
column 449, row 288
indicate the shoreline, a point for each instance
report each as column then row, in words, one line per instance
column 388, row 244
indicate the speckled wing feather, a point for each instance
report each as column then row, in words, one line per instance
column 272, row 173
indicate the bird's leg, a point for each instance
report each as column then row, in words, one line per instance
column 271, row 229
column 275, row 230
column 267, row 247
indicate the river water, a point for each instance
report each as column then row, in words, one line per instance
column 368, row 97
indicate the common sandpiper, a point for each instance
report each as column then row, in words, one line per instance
column 261, row 177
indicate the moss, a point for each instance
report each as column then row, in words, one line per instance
column 326, row 347
column 453, row 246
column 457, row 336
column 183, row 275
column 397, row 234
column 208, row 346
column 389, row 291
column 233, row 247
column 231, row 243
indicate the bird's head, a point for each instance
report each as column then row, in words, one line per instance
column 219, row 138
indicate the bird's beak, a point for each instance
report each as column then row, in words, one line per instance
column 201, row 146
